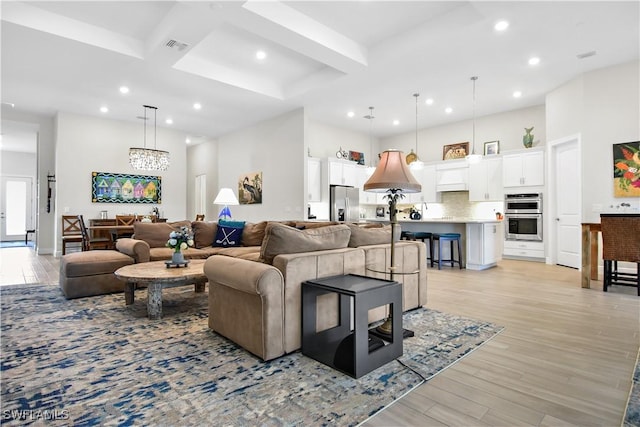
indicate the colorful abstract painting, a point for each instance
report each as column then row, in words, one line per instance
column 250, row 188
column 626, row 169
column 107, row 187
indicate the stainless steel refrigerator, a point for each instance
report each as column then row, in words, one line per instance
column 345, row 203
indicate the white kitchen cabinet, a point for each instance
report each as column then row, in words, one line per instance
column 484, row 245
column 523, row 169
column 427, row 179
column 314, row 179
column 485, row 180
column 366, row 197
column 523, row 249
column 343, row 172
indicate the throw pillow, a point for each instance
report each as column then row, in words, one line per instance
column 283, row 239
column 228, row 237
column 204, row 233
column 253, row 233
column 361, row 236
column 228, row 223
column 156, row 234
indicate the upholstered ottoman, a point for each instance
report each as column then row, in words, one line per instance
column 89, row 273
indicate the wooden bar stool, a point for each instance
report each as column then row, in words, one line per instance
column 442, row 238
column 620, row 242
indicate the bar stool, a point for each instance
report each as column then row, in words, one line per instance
column 442, row 238
column 426, row 238
column 620, row 243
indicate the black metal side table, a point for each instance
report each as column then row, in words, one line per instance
column 352, row 350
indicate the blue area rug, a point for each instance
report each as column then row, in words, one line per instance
column 95, row 361
column 632, row 415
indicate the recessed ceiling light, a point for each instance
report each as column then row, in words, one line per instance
column 501, row 25
column 534, row 60
column 517, row 94
column 188, row 141
column 396, row 122
column 104, row 109
column 197, row 106
column 124, row 89
column 429, row 101
column 169, row 121
column 261, row 54
column 448, row 110
column 351, row 114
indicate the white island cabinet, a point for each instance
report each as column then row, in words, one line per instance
column 481, row 238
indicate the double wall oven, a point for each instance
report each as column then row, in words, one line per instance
column 523, row 216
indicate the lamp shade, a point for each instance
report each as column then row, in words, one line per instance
column 392, row 173
column 226, row 197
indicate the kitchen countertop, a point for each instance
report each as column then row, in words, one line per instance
column 440, row 220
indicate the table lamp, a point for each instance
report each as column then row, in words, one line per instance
column 225, row 197
column 392, row 176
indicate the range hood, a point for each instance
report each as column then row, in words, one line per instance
column 452, row 176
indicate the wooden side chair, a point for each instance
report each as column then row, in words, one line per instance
column 124, row 220
column 90, row 243
column 199, row 217
column 71, row 232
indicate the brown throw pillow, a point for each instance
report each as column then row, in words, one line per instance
column 253, row 233
column 203, row 233
column 282, row 239
column 361, row 236
column 156, row 234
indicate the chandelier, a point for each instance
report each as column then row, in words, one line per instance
column 147, row 158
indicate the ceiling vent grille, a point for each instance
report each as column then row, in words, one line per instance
column 175, row 44
column 586, row 54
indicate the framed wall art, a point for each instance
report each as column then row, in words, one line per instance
column 491, row 147
column 455, row 151
column 626, row 169
column 108, row 187
column 356, row 157
column 250, row 188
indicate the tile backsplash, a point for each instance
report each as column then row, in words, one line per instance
column 456, row 204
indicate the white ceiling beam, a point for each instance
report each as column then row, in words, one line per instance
column 286, row 26
column 61, row 26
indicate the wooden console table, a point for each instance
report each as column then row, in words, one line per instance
column 590, row 231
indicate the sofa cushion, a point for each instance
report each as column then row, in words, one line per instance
column 228, row 236
column 361, row 236
column 204, row 233
column 156, row 234
column 253, row 233
column 283, row 239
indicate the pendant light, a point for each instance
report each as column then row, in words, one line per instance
column 147, row 158
column 371, row 168
column 412, row 158
column 473, row 157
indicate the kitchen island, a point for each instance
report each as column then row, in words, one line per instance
column 481, row 238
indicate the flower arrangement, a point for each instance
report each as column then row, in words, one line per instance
column 180, row 240
column 628, row 168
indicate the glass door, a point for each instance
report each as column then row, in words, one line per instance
column 16, row 207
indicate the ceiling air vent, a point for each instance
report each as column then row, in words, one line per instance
column 175, row 44
column 586, row 54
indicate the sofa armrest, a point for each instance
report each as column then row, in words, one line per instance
column 139, row 250
column 246, row 304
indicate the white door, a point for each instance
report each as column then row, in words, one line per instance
column 567, row 202
column 16, row 207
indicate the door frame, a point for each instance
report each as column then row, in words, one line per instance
column 30, row 220
column 551, row 211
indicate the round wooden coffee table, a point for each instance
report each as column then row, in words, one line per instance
column 157, row 277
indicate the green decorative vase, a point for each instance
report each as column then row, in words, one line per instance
column 527, row 139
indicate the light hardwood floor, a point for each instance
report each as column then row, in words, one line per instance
column 565, row 357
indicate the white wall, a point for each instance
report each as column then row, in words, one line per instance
column 88, row 144
column 45, row 222
column 603, row 106
column 324, row 140
column 203, row 159
column 18, row 164
column 508, row 128
column 277, row 148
